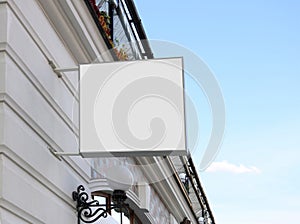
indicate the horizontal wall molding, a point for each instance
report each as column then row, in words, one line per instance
column 75, row 164
column 19, row 213
column 23, row 165
column 24, row 190
column 5, row 47
column 39, row 43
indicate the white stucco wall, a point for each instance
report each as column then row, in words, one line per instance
column 39, row 111
column 36, row 112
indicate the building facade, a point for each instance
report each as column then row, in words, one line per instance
column 39, row 117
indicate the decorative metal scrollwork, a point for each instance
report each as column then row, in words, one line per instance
column 89, row 212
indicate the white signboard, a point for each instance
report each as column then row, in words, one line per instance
column 132, row 108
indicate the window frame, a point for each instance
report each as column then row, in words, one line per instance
column 133, row 218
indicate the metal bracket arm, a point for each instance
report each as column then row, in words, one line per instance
column 60, row 154
column 91, row 211
column 59, row 70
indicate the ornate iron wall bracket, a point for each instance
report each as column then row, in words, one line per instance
column 91, row 211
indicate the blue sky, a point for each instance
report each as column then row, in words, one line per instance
column 253, row 49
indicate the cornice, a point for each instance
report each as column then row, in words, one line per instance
column 75, row 26
column 163, row 178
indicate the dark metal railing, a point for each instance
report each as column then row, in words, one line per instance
column 121, row 28
column 195, row 181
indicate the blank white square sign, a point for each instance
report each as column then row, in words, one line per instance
column 132, row 108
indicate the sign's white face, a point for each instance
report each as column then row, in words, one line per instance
column 132, row 108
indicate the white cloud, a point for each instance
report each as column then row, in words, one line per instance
column 225, row 166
